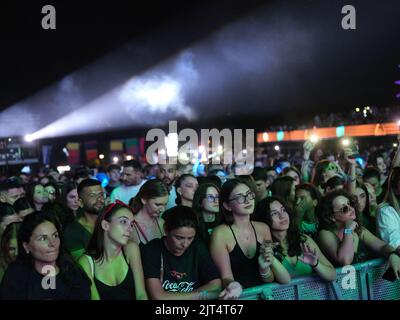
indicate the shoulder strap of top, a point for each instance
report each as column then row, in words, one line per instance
column 91, row 262
column 233, row 233
column 255, row 233
column 136, row 224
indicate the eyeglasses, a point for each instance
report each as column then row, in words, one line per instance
column 345, row 209
column 211, row 198
column 242, row 198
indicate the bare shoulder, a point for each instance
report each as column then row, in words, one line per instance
column 131, row 248
column 262, row 229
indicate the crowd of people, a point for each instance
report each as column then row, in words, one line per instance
column 166, row 232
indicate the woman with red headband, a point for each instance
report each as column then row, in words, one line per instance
column 113, row 265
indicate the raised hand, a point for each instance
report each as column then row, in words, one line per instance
column 351, row 224
column 348, row 152
column 309, row 256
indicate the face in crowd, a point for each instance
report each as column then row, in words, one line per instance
column 92, row 199
column 12, row 195
column 241, row 200
column 155, row 206
column 167, row 174
column 179, row 239
column 131, row 176
column 343, row 209
column 210, row 203
column 188, row 187
column 120, row 226
column 73, row 200
column 279, row 217
column 44, row 243
column 115, row 175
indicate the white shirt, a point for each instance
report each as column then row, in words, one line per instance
column 388, row 225
column 125, row 193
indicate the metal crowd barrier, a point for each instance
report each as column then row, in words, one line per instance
column 368, row 285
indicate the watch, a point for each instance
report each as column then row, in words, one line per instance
column 348, row 231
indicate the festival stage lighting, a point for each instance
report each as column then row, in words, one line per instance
column 129, row 157
column 345, row 142
column 101, row 156
column 277, row 148
column 314, row 138
column 115, row 159
column 29, row 138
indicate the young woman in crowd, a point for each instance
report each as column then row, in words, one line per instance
column 41, row 254
column 323, row 171
column 237, row 246
column 148, row 206
column 294, row 173
column 8, row 246
column 178, row 267
column 366, row 209
column 388, row 213
column 206, row 206
column 111, row 263
column 297, row 252
column 37, row 195
column 185, row 187
column 343, row 239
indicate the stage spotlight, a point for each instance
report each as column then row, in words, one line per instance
column 29, row 138
column 345, row 142
column 314, row 138
column 277, row 148
column 101, row 156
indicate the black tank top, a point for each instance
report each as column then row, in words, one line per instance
column 245, row 270
column 123, row 291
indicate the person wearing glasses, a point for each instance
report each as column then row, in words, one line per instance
column 323, row 171
column 343, row 239
column 295, row 251
column 112, row 263
column 92, row 201
column 237, row 245
column 206, row 206
column 178, row 266
column 148, row 205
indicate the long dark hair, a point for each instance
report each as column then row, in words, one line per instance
column 225, row 193
column 95, row 247
column 325, row 210
column 10, row 232
column 294, row 237
column 68, row 268
column 198, row 198
column 320, row 167
column 150, row 189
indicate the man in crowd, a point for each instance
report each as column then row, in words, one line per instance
column 78, row 233
column 131, row 182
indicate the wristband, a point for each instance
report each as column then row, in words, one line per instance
column 316, row 265
column 348, row 231
column 203, row 295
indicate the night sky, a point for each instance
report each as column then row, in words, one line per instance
column 274, row 61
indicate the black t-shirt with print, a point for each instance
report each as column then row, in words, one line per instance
column 184, row 273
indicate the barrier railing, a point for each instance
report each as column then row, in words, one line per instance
column 362, row 281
